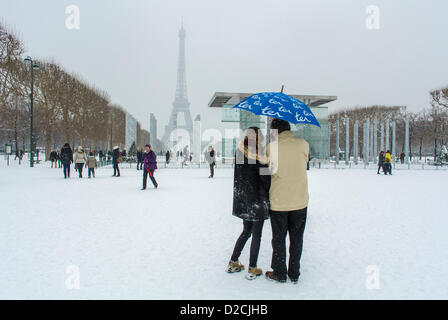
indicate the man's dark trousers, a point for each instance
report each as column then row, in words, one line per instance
column 283, row 222
column 116, row 170
column 151, row 176
column 66, row 170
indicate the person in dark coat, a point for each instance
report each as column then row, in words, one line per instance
column 149, row 166
column 250, row 198
column 54, row 158
column 139, row 158
column 67, row 159
column 116, row 159
column 20, row 156
column 167, row 156
column 380, row 162
column 59, row 160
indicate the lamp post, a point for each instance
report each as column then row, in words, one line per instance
column 355, row 141
column 112, row 114
column 347, row 140
column 337, row 141
column 33, row 66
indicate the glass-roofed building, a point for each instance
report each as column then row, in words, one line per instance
column 318, row 138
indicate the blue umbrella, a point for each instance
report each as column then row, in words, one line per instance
column 278, row 105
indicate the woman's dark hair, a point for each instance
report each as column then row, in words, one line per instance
column 280, row 125
column 256, row 130
column 66, row 145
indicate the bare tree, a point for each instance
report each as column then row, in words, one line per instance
column 439, row 97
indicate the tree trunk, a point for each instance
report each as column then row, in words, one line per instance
column 65, row 123
column 421, row 145
column 47, row 142
column 16, row 136
column 47, row 131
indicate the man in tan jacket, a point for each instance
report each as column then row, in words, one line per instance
column 288, row 197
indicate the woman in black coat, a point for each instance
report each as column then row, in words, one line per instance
column 67, row 159
column 116, row 155
column 250, row 198
column 380, row 162
column 139, row 158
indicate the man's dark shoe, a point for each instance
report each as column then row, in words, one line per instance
column 294, row 280
column 270, row 276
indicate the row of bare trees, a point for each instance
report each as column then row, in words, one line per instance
column 67, row 108
column 428, row 128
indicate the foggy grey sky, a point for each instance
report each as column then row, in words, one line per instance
column 129, row 48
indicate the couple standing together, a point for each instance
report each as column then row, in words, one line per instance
column 281, row 195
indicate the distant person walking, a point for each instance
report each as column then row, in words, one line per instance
column 380, row 162
column 250, row 199
column 139, row 158
column 210, row 157
column 167, row 157
column 58, row 151
column 149, row 166
column 79, row 160
column 402, row 155
column 388, row 163
column 116, row 159
column 20, row 156
column 67, row 159
column 54, row 158
column 91, row 164
column 186, row 155
column 288, row 197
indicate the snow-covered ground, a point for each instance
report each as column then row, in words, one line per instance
column 175, row 242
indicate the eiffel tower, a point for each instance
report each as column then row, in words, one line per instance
column 180, row 104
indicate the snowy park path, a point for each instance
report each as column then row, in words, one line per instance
column 175, row 242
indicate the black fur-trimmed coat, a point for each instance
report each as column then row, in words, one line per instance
column 250, row 188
